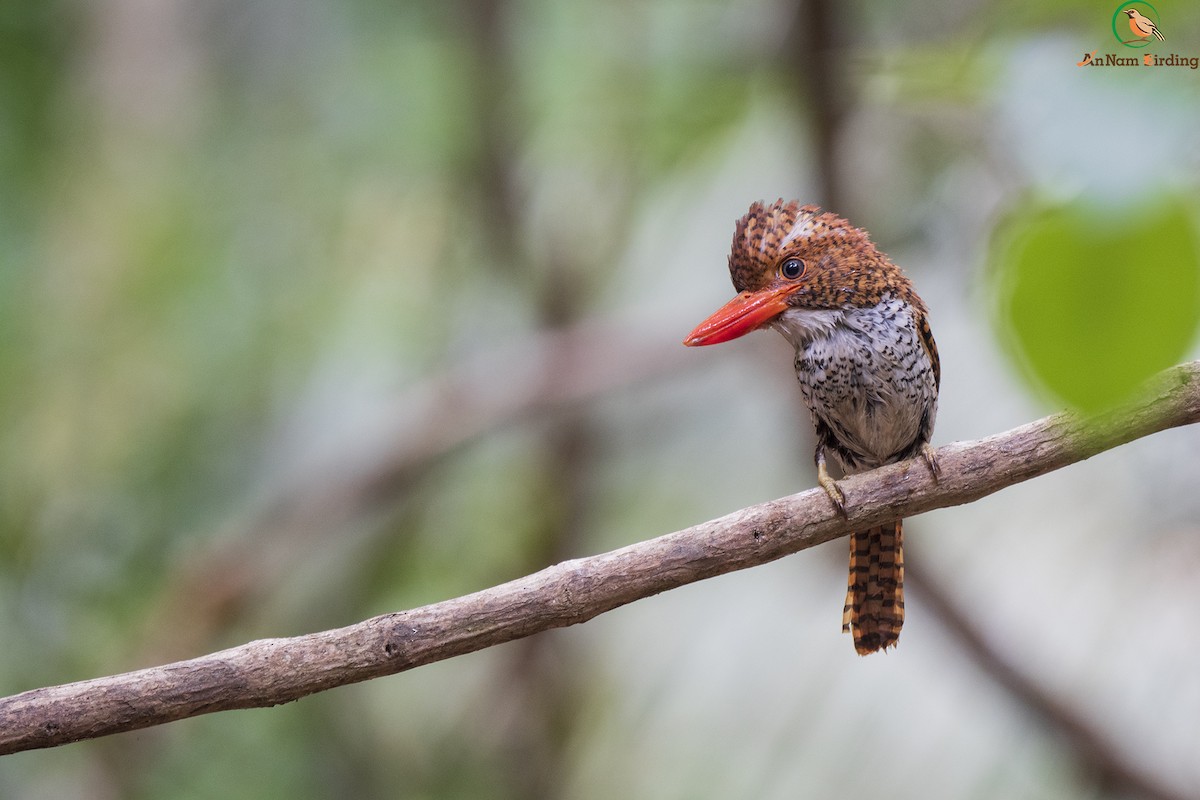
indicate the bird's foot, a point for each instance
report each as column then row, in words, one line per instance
column 836, row 495
column 930, row 456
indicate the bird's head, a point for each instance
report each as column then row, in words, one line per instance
column 1131, row 13
column 785, row 256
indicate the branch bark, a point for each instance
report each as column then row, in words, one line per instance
column 273, row 671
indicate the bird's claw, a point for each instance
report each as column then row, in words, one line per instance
column 836, row 495
column 930, row 457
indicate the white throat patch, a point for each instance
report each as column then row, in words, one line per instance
column 802, row 325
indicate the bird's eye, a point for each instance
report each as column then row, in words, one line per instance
column 791, row 269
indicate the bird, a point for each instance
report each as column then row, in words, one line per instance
column 867, row 365
column 1142, row 26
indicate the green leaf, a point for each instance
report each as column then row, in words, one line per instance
column 1093, row 300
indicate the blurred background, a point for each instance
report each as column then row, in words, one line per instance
column 316, row 310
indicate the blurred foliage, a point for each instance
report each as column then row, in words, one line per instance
column 1093, row 300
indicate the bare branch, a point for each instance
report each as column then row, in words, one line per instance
column 273, row 671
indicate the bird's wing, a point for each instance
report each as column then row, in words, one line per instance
column 925, row 334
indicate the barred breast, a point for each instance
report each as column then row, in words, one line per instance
column 867, row 378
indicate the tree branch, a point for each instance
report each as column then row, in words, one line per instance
column 273, row 671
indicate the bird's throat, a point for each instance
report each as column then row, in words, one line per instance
column 802, row 326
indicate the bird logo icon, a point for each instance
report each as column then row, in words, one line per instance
column 1142, row 26
column 1141, row 20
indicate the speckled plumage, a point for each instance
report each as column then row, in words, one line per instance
column 868, row 371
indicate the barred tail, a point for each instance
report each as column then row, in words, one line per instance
column 874, row 608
